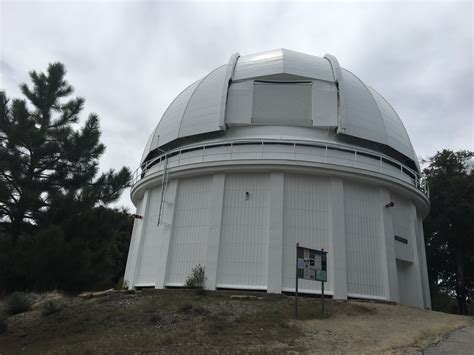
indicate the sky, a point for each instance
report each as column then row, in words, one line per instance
column 130, row 59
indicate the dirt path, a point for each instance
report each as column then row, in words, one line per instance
column 381, row 328
column 459, row 342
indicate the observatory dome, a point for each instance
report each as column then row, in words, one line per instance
column 265, row 85
column 272, row 149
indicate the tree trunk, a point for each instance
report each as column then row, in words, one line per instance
column 460, row 282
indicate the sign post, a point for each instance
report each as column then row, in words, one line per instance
column 311, row 264
column 296, row 286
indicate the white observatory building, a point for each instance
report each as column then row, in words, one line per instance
column 270, row 150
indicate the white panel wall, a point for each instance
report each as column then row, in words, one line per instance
column 134, row 245
column 364, row 233
column 402, row 227
column 191, row 226
column 420, row 239
column 147, row 265
column 306, row 221
column 243, row 246
column 239, row 103
column 408, row 284
column 324, row 104
column 282, row 104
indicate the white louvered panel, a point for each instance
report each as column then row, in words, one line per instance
column 188, row 239
column 244, row 237
column 402, row 225
column 364, row 243
column 306, row 221
column 147, row 271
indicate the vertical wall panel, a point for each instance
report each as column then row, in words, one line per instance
column 402, row 227
column 324, row 104
column 133, row 248
column 239, row 103
column 420, row 239
column 244, row 237
column 306, row 219
column 191, row 225
column 147, row 262
column 364, row 240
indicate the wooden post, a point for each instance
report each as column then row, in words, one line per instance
column 322, row 298
column 296, row 283
column 322, row 291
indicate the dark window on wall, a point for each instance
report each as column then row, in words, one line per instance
column 282, row 104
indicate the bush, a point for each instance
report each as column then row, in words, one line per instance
column 3, row 324
column 184, row 308
column 121, row 284
column 197, row 279
column 17, row 302
column 51, row 307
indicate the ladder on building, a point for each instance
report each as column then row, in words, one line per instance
column 164, row 186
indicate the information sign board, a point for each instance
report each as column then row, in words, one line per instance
column 312, row 264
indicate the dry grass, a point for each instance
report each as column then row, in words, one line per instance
column 179, row 321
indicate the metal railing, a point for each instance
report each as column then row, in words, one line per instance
column 293, row 150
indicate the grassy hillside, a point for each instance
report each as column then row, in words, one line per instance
column 182, row 321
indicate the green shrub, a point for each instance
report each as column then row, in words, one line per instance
column 197, row 279
column 51, row 307
column 121, row 284
column 17, row 302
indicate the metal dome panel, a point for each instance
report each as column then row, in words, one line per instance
column 205, row 106
column 282, row 61
column 397, row 136
column 168, row 127
column 363, row 118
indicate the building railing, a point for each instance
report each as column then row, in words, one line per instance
column 281, row 150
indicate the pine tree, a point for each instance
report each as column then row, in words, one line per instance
column 47, row 164
column 449, row 227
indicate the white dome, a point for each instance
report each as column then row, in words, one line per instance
column 304, row 90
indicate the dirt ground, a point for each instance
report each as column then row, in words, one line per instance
column 180, row 321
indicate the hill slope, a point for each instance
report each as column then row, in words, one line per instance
column 181, row 321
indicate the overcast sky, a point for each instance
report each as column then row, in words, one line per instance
column 130, row 59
